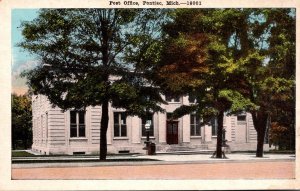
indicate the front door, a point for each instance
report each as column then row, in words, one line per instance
column 172, row 132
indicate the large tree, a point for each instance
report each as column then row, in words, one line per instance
column 265, row 49
column 85, row 56
column 21, row 121
column 232, row 60
column 197, row 62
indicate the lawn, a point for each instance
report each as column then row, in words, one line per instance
column 21, row 154
column 18, row 153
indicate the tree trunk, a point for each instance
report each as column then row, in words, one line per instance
column 260, row 124
column 219, row 134
column 103, row 130
column 260, row 142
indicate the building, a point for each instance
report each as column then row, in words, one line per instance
column 78, row 132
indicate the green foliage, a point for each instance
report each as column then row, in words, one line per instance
column 249, row 61
column 238, row 102
column 21, row 154
column 21, row 121
column 95, row 56
column 197, row 60
column 81, row 49
column 279, row 89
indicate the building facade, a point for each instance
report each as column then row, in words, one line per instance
column 78, row 132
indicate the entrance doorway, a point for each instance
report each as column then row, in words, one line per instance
column 172, row 132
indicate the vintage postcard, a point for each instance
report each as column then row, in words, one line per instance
column 149, row 95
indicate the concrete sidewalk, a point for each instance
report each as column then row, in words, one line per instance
column 139, row 159
column 230, row 157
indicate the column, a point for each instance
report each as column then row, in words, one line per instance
column 162, row 118
column 186, row 130
column 109, row 134
column 135, row 129
column 228, row 128
column 207, row 133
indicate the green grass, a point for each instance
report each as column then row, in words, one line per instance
column 21, row 154
column 16, row 153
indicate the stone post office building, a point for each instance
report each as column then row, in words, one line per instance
column 78, row 132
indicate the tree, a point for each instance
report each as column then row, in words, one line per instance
column 263, row 45
column 282, row 129
column 84, row 57
column 282, row 63
column 21, row 121
column 244, row 63
column 271, row 79
column 260, row 40
column 197, row 62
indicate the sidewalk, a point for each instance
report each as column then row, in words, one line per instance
column 139, row 159
column 230, row 157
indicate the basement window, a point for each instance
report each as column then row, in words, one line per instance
column 78, row 153
column 124, row 151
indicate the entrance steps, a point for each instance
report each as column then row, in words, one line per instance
column 184, row 149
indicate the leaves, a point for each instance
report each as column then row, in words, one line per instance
column 81, row 50
column 248, row 61
column 239, row 103
column 21, row 119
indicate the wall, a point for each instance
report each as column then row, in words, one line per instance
column 51, row 134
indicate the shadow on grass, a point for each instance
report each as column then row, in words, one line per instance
column 21, row 154
column 27, row 154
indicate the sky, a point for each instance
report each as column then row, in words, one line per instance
column 21, row 60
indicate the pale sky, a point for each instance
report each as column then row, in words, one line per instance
column 21, row 60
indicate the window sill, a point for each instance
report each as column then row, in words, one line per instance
column 195, row 137
column 120, row 138
column 149, row 137
column 78, row 138
column 214, row 136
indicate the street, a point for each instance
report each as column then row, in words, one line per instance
column 219, row 170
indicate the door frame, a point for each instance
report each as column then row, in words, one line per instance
column 172, row 138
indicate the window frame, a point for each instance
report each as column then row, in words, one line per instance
column 120, row 125
column 78, row 125
column 196, row 125
column 214, row 127
column 192, row 99
column 243, row 116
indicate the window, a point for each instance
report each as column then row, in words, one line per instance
column 149, row 117
column 170, row 98
column 214, row 127
column 176, row 99
column 120, row 129
column 77, row 123
column 192, row 98
column 195, row 125
column 241, row 117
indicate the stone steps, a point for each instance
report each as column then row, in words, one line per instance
column 186, row 149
